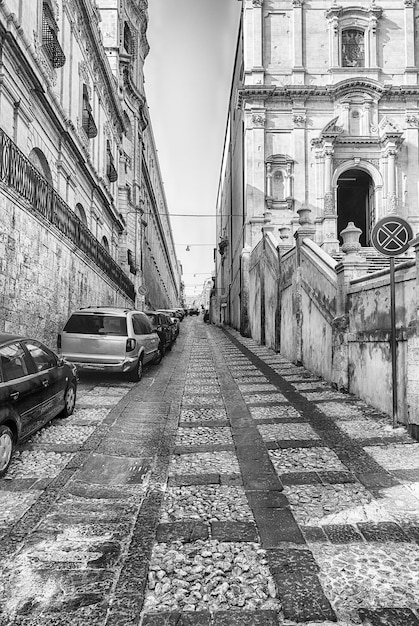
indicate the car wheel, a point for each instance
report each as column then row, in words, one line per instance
column 6, row 448
column 69, row 400
column 159, row 354
column 137, row 373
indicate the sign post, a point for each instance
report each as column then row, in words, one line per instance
column 391, row 236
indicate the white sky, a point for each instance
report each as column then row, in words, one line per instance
column 188, row 76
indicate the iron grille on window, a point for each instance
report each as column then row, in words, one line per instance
column 353, row 48
column 111, row 172
column 49, row 37
column 128, row 47
column 88, row 123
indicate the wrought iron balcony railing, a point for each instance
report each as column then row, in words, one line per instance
column 18, row 173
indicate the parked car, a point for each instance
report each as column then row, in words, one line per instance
column 194, row 311
column 175, row 319
column 164, row 327
column 36, row 385
column 110, row 339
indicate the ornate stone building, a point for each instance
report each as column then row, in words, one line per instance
column 322, row 129
column 83, row 217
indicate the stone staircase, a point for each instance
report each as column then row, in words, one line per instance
column 376, row 261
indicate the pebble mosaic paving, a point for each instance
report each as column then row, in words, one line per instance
column 338, row 545
column 205, row 462
column 207, row 503
column 202, row 436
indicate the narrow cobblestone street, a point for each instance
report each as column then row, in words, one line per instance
column 228, row 487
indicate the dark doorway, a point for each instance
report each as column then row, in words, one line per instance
column 355, row 197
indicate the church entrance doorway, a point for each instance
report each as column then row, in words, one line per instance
column 355, row 203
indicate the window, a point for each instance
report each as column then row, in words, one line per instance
column 131, row 262
column 128, row 42
column 49, row 37
column 105, row 243
column 96, row 325
column 43, row 360
column 88, row 123
column 353, row 54
column 278, row 187
column 111, row 172
column 141, row 325
column 13, row 364
column 81, row 213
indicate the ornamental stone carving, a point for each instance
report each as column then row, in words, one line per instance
column 409, row 3
column 297, row 3
column 257, row 3
column 329, row 205
column 258, row 121
column 299, row 119
column 392, row 203
column 412, row 121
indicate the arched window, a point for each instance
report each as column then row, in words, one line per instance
column 353, row 48
column 81, row 213
column 39, row 160
column 105, row 243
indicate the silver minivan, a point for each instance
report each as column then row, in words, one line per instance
column 110, row 339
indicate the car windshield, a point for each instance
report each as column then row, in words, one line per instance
column 96, row 325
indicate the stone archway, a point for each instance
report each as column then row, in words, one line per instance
column 358, row 194
column 355, row 202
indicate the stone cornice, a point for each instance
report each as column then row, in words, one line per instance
column 249, row 93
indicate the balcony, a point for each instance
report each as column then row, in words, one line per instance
column 18, row 173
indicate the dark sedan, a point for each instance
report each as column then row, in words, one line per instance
column 35, row 386
column 163, row 326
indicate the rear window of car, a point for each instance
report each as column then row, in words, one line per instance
column 96, row 325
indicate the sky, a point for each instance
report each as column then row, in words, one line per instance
column 188, row 74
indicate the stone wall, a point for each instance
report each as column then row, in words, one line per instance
column 334, row 318
column 43, row 276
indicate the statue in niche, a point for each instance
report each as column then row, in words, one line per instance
column 353, row 48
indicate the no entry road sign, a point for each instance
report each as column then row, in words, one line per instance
column 391, row 235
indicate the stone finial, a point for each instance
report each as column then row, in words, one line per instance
column 350, row 236
column 304, row 215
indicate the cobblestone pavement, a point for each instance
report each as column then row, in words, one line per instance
column 228, row 487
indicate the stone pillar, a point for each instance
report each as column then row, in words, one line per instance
column 258, row 72
column 391, row 181
column 298, row 62
column 351, row 266
column 244, row 293
column 412, row 366
column 409, row 39
column 254, row 170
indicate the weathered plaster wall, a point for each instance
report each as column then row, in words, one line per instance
column 43, row 277
column 255, row 292
column 369, row 355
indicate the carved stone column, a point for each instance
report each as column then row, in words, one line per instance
column 391, row 181
column 329, row 206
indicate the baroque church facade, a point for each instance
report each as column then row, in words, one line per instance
column 322, row 129
column 84, row 219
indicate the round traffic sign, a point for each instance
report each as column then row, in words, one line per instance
column 143, row 290
column 391, row 235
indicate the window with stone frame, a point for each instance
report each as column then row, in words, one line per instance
column 353, row 48
column 50, row 43
column 111, row 171
column 88, row 123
